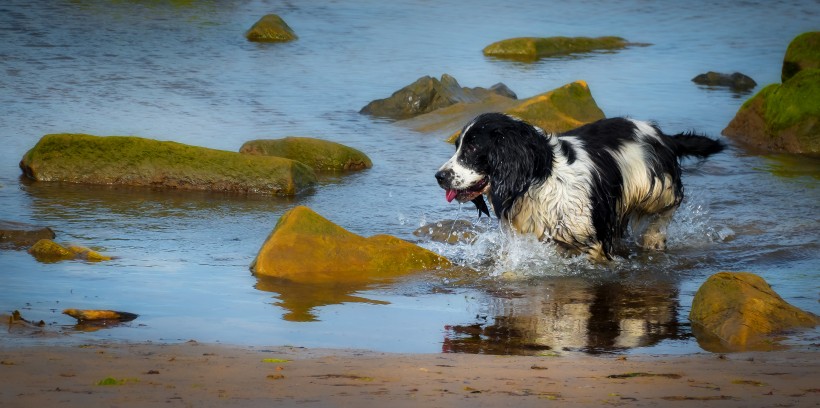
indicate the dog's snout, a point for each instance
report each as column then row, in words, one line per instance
column 443, row 177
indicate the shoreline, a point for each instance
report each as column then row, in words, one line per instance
column 198, row 374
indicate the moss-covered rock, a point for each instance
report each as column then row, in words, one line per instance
column 428, row 94
column 306, row 247
column 46, row 250
column 737, row 82
column 561, row 109
column 741, row 310
column 270, row 28
column 18, row 234
column 534, row 48
column 803, row 53
column 321, row 155
column 87, row 254
column 556, row 111
column 134, row 161
column 781, row 118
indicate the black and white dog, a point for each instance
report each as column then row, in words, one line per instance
column 579, row 189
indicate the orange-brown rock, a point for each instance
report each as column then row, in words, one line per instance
column 306, row 247
column 741, row 310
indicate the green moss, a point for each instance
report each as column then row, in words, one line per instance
column 128, row 160
column 794, row 101
column 321, row 155
column 803, row 53
column 533, row 48
column 46, row 250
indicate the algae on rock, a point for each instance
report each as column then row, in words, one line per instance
column 135, row 161
column 534, row 48
column 321, row 155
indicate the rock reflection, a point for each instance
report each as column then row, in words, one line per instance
column 300, row 299
column 571, row 314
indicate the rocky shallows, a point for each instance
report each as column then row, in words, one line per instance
column 135, row 161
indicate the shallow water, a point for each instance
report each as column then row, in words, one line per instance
column 173, row 71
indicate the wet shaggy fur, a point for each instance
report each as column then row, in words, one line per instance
column 579, row 189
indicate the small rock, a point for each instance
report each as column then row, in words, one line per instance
column 737, row 82
column 270, row 28
column 18, row 234
column 428, row 94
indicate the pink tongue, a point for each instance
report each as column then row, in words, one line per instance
column 450, row 195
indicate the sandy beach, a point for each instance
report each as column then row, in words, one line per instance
column 193, row 374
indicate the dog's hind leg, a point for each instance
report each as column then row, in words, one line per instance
column 654, row 236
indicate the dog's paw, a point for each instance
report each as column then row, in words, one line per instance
column 655, row 242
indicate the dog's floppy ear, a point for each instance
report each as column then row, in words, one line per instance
column 520, row 157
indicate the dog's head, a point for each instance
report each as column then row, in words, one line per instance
column 498, row 155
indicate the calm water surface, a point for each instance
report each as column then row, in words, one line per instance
column 174, row 71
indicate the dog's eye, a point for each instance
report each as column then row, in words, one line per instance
column 470, row 148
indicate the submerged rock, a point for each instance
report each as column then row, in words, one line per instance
column 270, row 28
column 321, row 155
column 18, row 234
column 135, row 161
column 556, row 111
column 534, row 48
column 781, row 118
column 428, row 94
column 305, row 247
column 803, row 53
column 741, row 309
column 46, row 250
column 737, row 82
column 449, row 231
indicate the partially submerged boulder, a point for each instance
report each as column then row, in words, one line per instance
column 135, row 161
column 737, row 82
column 321, row 155
column 534, row 48
column 305, row 247
column 428, row 94
column 803, row 53
column 17, row 234
column 46, row 250
column 270, row 28
column 781, row 118
column 741, row 310
column 556, row 111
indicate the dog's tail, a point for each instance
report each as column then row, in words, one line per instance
column 692, row 144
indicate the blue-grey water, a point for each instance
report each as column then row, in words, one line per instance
column 183, row 71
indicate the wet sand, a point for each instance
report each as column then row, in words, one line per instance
column 200, row 375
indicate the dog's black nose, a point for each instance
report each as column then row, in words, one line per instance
column 442, row 176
